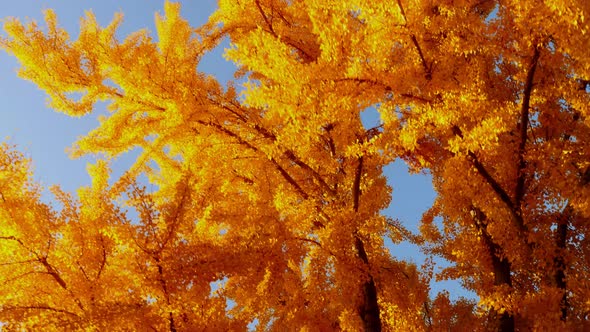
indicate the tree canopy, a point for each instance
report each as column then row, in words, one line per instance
column 267, row 196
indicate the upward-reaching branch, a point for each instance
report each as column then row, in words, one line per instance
column 265, row 17
column 369, row 309
column 524, row 123
column 356, row 187
column 502, row 269
column 427, row 68
column 561, row 236
column 288, row 153
column 496, row 186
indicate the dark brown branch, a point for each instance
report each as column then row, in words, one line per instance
column 401, row 9
column 290, row 179
column 394, row 224
column 175, row 219
column 496, row 187
column 500, row 264
column 493, row 183
column 363, row 80
column 265, row 133
column 411, row 96
column 499, row 191
column 81, row 268
column 386, row 87
column 269, row 135
column 53, row 272
column 43, row 260
column 396, row 270
column 286, row 39
column 501, row 268
column 561, row 240
column 240, row 140
column 266, row 19
column 225, row 107
column 289, row 154
column 244, row 178
column 48, row 267
column 427, row 69
column 560, row 278
column 315, row 242
column 356, row 187
column 524, row 123
column 369, row 309
column 330, row 141
column 162, row 281
column 103, row 260
column 13, row 238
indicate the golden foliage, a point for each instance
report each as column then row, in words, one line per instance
column 268, row 203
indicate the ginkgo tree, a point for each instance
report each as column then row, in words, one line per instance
column 268, row 199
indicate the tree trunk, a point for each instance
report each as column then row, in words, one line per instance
column 500, row 322
column 559, row 277
column 503, row 322
column 369, row 308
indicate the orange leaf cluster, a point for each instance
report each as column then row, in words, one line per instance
column 268, row 199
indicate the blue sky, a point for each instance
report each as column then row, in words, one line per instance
column 44, row 135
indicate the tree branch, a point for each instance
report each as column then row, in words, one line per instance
column 266, row 19
column 524, row 122
column 502, row 268
column 315, row 242
column 496, row 187
column 427, row 69
column 38, row 307
column 356, row 187
column 103, row 260
column 171, row 325
column 240, row 140
column 269, row 135
column 53, row 272
column 369, row 308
